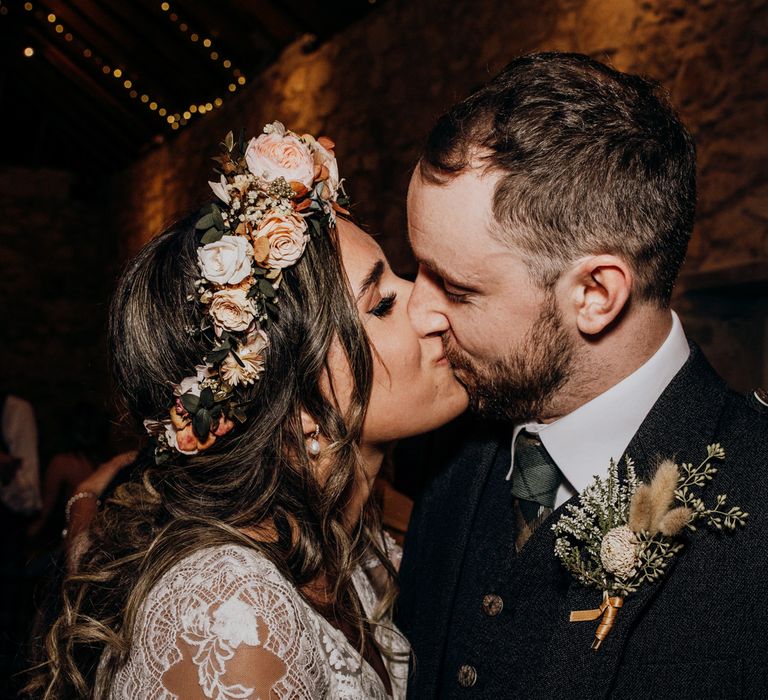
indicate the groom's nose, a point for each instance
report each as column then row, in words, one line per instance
column 425, row 307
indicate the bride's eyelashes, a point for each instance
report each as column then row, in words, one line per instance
column 385, row 305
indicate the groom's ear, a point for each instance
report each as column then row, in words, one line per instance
column 599, row 288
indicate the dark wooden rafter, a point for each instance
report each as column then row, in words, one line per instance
column 72, row 109
column 119, row 48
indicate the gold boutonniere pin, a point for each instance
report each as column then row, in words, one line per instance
column 624, row 533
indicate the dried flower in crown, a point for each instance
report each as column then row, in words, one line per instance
column 273, row 193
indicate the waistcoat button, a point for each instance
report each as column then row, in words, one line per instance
column 467, row 676
column 492, row 604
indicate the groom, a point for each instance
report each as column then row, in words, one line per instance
column 550, row 214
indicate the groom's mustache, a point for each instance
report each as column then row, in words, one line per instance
column 520, row 386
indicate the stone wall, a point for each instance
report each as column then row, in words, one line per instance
column 58, row 258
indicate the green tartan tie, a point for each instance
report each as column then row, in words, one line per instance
column 535, row 480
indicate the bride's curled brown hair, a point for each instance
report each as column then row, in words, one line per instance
column 257, row 478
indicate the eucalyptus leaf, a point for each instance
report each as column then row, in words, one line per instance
column 212, row 235
column 216, row 356
column 202, row 423
column 218, row 222
column 205, row 222
column 266, row 288
column 190, row 402
column 206, row 397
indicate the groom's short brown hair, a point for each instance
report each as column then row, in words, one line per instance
column 591, row 160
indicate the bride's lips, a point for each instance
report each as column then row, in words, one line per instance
column 442, row 360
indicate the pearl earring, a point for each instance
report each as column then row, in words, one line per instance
column 314, row 443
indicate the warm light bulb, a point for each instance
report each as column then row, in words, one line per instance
column 193, row 108
column 218, row 102
column 87, row 53
column 208, row 106
column 186, row 115
column 174, row 126
column 29, row 52
column 127, row 84
column 28, row 6
column 105, row 70
column 171, row 119
column 59, row 28
column 202, row 109
column 241, row 80
column 164, row 6
column 51, row 18
column 145, row 98
column 226, row 63
column 68, row 36
column 133, row 94
column 153, row 106
column 117, row 72
column 162, row 111
column 183, row 27
column 194, row 37
column 232, row 87
column 207, row 43
column 214, row 56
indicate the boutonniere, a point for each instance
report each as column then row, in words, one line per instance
column 624, row 533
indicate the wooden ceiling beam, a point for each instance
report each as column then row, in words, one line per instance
column 79, row 77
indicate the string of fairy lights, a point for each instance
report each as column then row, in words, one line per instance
column 130, row 80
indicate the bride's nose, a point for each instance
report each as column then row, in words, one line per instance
column 424, row 307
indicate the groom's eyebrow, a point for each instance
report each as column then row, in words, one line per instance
column 433, row 267
column 372, row 279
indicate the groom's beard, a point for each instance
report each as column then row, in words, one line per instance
column 520, row 387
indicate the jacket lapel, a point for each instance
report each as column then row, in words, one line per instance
column 680, row 426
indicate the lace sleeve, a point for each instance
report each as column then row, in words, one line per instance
column 223, row 624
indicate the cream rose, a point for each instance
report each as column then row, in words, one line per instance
column 231, row 310
column 273, row 155
column 287, row 238
column 227, row 261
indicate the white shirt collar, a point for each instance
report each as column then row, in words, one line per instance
column 584, row 442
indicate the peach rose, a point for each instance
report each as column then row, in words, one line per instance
column 287, row 238
column 186, row 440
column 273, row 155
column 231, row 310
column 224, row 426
column 325, row 160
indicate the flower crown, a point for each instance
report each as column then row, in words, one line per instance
column 273, row 193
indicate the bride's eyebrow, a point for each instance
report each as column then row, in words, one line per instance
column 371, row 279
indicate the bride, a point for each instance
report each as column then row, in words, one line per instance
column 264, row 344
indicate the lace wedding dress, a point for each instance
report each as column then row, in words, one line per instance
column 224, row 623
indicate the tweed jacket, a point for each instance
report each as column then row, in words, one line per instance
column 700, row 632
